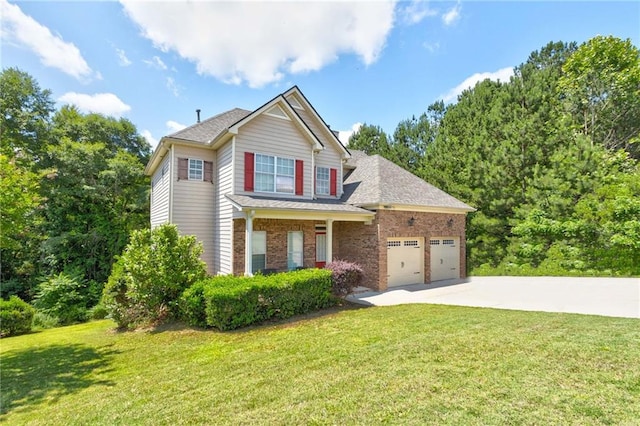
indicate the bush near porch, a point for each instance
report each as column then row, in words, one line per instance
column 230, row 302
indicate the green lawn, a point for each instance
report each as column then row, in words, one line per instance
column 410, row 364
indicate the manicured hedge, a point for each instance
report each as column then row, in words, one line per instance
column 16, row 316
column 230, row 302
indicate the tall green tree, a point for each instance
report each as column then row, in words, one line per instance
column 371, row 139
column 412, row 137
column 601, row 85
column 25, row 115
column 72, row 186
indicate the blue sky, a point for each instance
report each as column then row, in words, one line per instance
column 375, row 62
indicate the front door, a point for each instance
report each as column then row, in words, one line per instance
column 321, row 249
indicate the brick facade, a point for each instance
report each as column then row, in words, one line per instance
column 367, row 244
column 276, row 241
column 356, row 241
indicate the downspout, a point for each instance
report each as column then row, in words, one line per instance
column 173, row 172
column 313, row 173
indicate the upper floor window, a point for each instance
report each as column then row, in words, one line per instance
column 322, row 180
column 274, row 174
column 196, row 169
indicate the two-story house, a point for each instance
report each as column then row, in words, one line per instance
column 274, row 189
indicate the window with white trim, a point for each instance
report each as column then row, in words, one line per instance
column 196, row 169
column 322, row 180
column 258, row 251
column 274, row 174
column 295, row 250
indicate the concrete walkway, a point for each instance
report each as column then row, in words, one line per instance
column 615, row 297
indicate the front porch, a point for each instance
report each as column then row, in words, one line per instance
column 282, row 234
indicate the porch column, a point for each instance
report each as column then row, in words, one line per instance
column 248, row 246
column 329, row 240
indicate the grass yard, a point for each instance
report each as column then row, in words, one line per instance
column 409, row 364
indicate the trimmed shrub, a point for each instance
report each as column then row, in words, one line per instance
column 16, row 316
column 64, row 297
column 147, row 280
column 230, row 302
column 345, row 276
column 192, row 304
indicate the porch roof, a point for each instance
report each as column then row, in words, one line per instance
column 246, row 202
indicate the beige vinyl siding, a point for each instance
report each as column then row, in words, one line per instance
column 194, row 202
column 223, row 232
column 272, row 136
column 160, row 193
column 330, row 156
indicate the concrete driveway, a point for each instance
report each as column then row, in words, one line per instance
column 615, row 297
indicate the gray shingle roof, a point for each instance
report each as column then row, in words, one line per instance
column 377, row 180
column 319, row 205
column 208, row 129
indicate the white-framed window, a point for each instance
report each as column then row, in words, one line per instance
column 295, row 250
column 322, row 180
column 274, row 174
column 258, row 251
column 196, row 169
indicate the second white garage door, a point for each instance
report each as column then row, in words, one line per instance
column 405, row 261
column 445, row 258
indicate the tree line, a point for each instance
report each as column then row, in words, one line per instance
column 72, row 189
column 549, row 159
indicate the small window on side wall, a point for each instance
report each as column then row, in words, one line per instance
column 195, row 169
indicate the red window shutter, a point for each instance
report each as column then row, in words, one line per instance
column 299, row 177
column 248, row 171
column 208, row 171
column 333, row 183
column 183, row 168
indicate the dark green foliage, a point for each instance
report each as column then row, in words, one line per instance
column 150, row 276
column 192, row 303
column 25, row 110
column 72, row 187
column 66, row 297
column 601, row 88
column 547, row 184
column 230, row 302
column 16, row 316
column 370, row 139
column 345, row 276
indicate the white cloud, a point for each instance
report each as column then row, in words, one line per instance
column 101, row 103
column 149, row 137
column 344, row 135
column 415, row 12
column 260, row 42
column 122, row 58
column 431, row 47
column 173, row 87
column 156, row 62
column 54, row 52
column 503, row 75
column 174, row 126
column 450, row 17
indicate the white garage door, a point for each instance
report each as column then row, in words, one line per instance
column 445, row 258
column 405, row 261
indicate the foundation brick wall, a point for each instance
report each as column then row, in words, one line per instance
column 355, row 241
column 367, row 244
column 276, row 242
